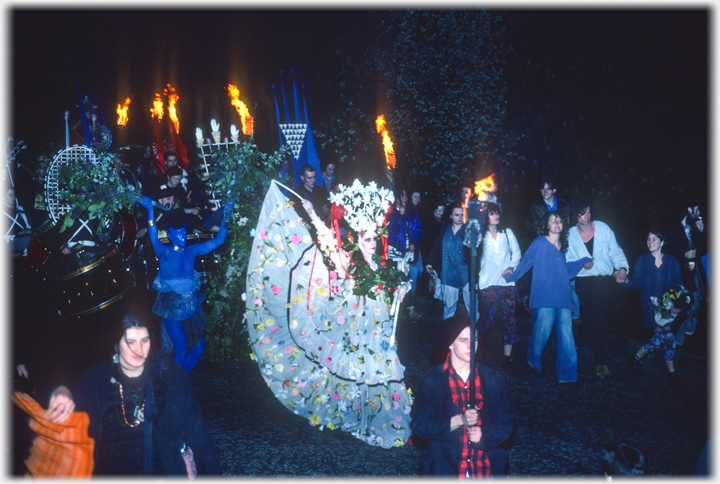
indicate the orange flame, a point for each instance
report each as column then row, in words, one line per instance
column 483, row 186
column 247, row 120
column 387, row 143
column 122, row 110
column 169, row 91
column 157, row 109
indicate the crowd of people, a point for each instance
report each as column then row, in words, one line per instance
column 322, row 304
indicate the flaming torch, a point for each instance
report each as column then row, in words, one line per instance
column 157, row 109
column 169, row 91
column 387, row 143
column 122, row 113
column 245, row 118
column 483, row 186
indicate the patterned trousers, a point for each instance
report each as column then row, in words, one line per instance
column 496, row 298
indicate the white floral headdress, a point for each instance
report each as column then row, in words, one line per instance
column 366, row 205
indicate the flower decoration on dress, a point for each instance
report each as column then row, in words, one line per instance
column 366, row 206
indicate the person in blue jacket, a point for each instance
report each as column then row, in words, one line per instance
column 655, row 273
column 550, row 294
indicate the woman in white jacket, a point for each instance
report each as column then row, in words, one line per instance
column 501, row 254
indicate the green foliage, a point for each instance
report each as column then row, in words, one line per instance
column 438, row 78
column 94, row 189
column 243, row 174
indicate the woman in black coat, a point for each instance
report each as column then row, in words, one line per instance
column 143, row 412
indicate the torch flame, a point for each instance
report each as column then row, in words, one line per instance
column 157, row 109
column 169, row 91
column 387, row 143
column 483, row 186
column 122, row 113
column 247, row 120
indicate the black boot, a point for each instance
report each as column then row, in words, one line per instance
column 674, row 380
column 635, row 365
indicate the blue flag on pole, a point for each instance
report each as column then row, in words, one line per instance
column 299, row 137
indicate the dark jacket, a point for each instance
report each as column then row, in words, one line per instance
column 433, row 408
column 435, row 259
column 179, row 420
column 651, row 280
column 396, row 229
column 538, row 211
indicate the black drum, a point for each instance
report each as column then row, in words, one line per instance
column 37, row 253
column 90, row 281
column 122, row 233
column 204, row 264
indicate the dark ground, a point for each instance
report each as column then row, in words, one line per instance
column 560, row 428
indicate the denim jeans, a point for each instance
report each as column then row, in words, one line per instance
column 450, row 296
column 575, row 301
column 415, row 270
column 543, row 320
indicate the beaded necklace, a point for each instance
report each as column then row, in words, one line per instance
column 139, row 415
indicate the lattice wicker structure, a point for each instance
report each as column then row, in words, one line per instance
column 52, row 189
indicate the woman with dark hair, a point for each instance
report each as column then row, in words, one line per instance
column 550, row 294
column 655, row 273
column 500, row 252
column 143, row 413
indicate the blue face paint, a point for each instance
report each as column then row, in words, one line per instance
column 178, row 237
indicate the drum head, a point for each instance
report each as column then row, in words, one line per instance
column 81, row 262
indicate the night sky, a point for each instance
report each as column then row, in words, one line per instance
column 654, row 57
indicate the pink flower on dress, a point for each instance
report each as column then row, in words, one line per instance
column 258, row 302
column 275, row 329
column 299, row 220
column 263, row 234
column 357, row 405
column 296, row 239
column 292, row 369
column 395, row 396
column 336, row 397
column 375, row 332
column 396, row 405
column 289, row 350
column 302, row 384
column 407, row 409
column 356, row 306
column 398, row 419
column 328, row 360
column 266, row 340
column 275, row 290
column 341, row 320
column 318, row 281
column 333, row 275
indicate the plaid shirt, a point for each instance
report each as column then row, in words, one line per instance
column 474, row 461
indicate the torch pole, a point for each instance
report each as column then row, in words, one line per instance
column 476, row 213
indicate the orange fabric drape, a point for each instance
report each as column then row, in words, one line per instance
column 59, row 450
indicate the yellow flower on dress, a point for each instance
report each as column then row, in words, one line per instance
column 306, row 239
column 252, row 356
column 320, row 291
column 294, row 392
column 279, row 367
column 269, row 322
column 315, row 419
column 297, row 299
column 331, row 426
column 399, row 442
column 378, row 312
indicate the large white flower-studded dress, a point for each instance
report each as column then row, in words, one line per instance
column 323, row 351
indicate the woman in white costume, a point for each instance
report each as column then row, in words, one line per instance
column 318, row 317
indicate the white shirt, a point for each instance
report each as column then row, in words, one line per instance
column 607, row 254
column 497, row 255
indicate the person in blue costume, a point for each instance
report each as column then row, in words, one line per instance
column 550, row 297
column 179, row 299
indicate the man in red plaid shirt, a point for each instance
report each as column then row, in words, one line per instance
column 464, row 442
